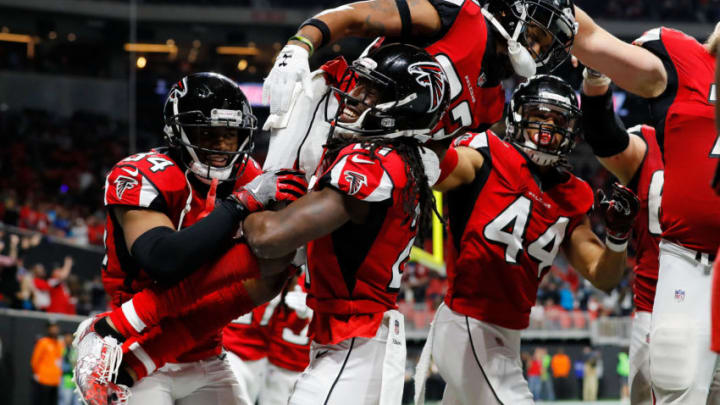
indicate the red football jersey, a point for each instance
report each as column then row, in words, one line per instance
column 647, row 185
column 506, row 231
column 248, row 336
column 354, row 273
column 465, row 49
column 684, row 118
column 289, row 341
column 151, row 180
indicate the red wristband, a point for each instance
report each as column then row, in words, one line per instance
column 448, row 164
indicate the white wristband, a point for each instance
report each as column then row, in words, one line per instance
column 615, row 246
column 595, row 80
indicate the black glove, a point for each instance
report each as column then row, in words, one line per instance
column 619, row 212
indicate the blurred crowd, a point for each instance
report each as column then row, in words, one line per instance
column 52, row 172
column 31, row 286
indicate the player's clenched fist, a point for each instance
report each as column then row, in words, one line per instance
column 619, row 211
column 271, row 187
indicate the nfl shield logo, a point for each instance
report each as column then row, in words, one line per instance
column 397, row 327
column 679, row 295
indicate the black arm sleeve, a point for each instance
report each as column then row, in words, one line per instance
column 603, row 129
column 169, row 256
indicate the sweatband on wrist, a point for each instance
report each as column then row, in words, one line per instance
column 603, row 130
column 305, row 41
column 405, row 19
column 320, row 25
column 448, row 164
column 616, row 244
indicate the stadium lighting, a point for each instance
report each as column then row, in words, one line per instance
column 242, row 65
column 237, row 50
column 141, row 62
column 151, row 48
column 26, row 39
column 71, row 37
column 52, row 35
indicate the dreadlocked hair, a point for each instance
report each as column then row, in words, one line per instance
column 416, row 190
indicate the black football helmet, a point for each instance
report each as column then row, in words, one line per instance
column 548, row 23
column 197, row 108
column 533, row 104
column 396, row 90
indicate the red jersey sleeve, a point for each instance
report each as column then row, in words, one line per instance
column 252, row 169
column 357, row 173
column 148, row 180
column 476, row 141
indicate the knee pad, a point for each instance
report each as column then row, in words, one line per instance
column 674, row 352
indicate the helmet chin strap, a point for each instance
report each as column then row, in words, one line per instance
column 520, row 58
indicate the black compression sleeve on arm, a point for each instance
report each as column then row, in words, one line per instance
column 169, row 256
column 603, row 129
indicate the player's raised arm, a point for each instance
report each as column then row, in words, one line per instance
column 459, row 167
column 631, row 67
column 604, row 264
column 361, row 19
column 620, row 152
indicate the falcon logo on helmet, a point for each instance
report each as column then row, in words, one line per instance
column 431, row 76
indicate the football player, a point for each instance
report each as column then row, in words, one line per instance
column 675, row 73
column 289, row 344
column 512, row 207
column 374, row 188
column 161, row 229
column 371, row 195
column 246, row 341
column 634, row 157
column 477, row 46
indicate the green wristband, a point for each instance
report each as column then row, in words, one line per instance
column 304, row 41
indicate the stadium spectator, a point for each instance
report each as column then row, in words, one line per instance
column 590, row 377
column 548, row 390
column 561, row 366
column 45, row 363
column 67, row 394
column 623, row 370
column 534, row 371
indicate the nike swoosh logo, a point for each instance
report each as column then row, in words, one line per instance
column 358, row 159
column 130, row 172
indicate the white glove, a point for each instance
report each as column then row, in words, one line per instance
column 291, row 66
column 296, row 300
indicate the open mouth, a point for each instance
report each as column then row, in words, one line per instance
column 349, row 114
column 217, row 160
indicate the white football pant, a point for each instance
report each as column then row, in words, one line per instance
column 681, row 363
column 250, row 374
column 356, row 371
column 639, row 378
column 479, row 361
column 279, row 382
column 207, row 382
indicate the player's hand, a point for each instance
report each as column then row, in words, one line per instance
column 271, row 187
column 620, row 211
column 291, row 66
column 594, row 78
column 297, row 301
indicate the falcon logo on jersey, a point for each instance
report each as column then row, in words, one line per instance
column 356, row 181
column 432, row 76
column 124, row 183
